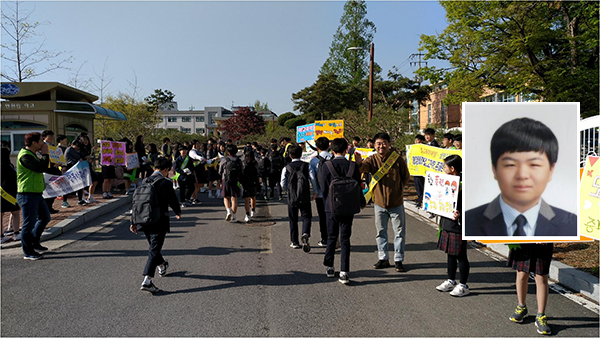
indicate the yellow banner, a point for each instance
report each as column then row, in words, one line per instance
column 422, row 158
column 589, row 196
column 331, row 129
column 56, row 155
column 10, row 198
column 380, row 174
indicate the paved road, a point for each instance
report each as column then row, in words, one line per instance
column 238, row 280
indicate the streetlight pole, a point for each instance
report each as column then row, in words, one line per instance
column 372, row 52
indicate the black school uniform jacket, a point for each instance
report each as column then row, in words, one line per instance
column 166, row 198
column 451, row 225
column 487, row 220
column 341, row 166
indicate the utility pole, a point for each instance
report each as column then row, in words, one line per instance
column 419, row 80
column 371, row 82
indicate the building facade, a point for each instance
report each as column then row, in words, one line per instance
column 191, row 121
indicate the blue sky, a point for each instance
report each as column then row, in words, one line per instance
column 216, row 53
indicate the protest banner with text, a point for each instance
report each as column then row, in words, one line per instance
column 112, row 153
column 331, row 129
column 76, row 178
column 421, row 158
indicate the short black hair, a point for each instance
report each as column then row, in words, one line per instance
column 232, row 150
column 339, row 145
column 263, row 151
column 523, row 135
column 47, row 133
column 383, row 136
column 458, row 137
column 274, row 147
column 449, row 136
column 166, row 139
column 420, row 138
column 273, row 140
column 322, row 143
column 429, row 131
column 356, row 138
column 182, row 147
column 60, row 138
column 295, row 151
column 162, row 163
column 370, row 140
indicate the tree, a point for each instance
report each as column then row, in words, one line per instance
column 355, row 30
column 259, row 106
column 291, row 124
column 25, row 57
column 547, row 49
column 140, row 119
column 325, row 98
column 284, row 117
column 158, row 98
column 243, row 122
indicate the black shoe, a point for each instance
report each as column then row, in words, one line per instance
column 382, row 264
column 305, row 245
column 39, row 247
column 163, row 271
column 400, row 267
column 150, row 288
column 82, row 202
column 33, row 257
column 330, row 272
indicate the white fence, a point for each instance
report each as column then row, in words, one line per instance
column 589, row 129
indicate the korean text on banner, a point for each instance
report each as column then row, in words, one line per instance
column 422, row 158
column 56, row 155
column 76, row 178
column 305, row 133
column 331, row 129
column 364, row 152
column 132, row 161
column 589, row 210
column 308, row 155
column 440, row 195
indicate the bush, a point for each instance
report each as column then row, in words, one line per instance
column 295, row 122
column 284, row 117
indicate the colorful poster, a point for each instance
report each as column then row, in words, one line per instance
column 589, row 197
column 76, row 178
column 308, row 155
column 305, row 133
column 440, row 195
column 132, row 161
column 421, row 158
column 364, row 152
column 331, row 129
column 56, row 155
column 112, row 153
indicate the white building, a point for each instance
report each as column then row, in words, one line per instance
column 191, row 121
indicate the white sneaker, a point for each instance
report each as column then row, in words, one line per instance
column 446, row 286
column 233, row 219
column 251, row 214
column 247, row 219
column 228, row 217
column 460, row 291
column 91, row 200
column 202, row 190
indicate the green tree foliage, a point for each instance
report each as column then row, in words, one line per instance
column 140, row 119
column 545, row 48
column 284, row 117
column 272, row 130
column 159, row 97
column 243, row 122
column 23, row 57
column 259, row 106
column 291, row 124
column 355, row 30
column 325, row 98
column 175, row 135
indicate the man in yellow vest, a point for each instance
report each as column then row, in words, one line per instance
column 30, row 185
column 390, row 176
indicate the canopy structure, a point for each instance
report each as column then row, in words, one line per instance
column 88, row 108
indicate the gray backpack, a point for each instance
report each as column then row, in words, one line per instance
column 145, row 209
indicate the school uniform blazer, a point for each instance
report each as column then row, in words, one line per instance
column 166, row 199
column 341, row 166
column 487, row 220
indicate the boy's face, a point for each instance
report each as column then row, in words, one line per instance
column 429, row 137
column 522, row 178
column 446, row 142
column 458, row 144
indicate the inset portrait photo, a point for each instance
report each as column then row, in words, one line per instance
column 520, row 171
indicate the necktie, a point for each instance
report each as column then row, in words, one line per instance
column 520, row 221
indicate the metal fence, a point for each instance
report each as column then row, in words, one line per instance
column 589, row 130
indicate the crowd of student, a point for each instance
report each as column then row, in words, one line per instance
column 277, row 170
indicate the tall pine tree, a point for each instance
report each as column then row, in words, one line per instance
column 355, row 30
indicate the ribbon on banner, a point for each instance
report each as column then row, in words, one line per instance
column 381, row 173
column 10, row 198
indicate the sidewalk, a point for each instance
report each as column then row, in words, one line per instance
column 576, row 280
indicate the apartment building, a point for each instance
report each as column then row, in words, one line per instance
column 201, row 122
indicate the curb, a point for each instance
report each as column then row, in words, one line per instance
column 576, row 280
column 78, row 219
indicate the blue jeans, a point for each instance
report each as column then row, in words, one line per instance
column 398, row 218
column 36, row 216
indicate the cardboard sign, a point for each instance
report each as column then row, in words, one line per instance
column 305, row 133
column 589, row 197
column 440, row 195
column 132, row 161
column 422, row 158
column 331, row 129
column 112, row 153
column 56, row 155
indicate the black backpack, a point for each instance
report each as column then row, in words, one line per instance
column 145, row 209
column 298, row 186
column 319, row 169
column 233, row 171
column 264, row 166
column 276, row 162
column 344, row 192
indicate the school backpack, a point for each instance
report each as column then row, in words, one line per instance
column 344, row 192
column 233, row 171
column 145, row 209
column 264, row 166
column 276, row 162
column 298, row 187
column 319, row 169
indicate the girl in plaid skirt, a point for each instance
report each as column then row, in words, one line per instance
column 451, row 241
